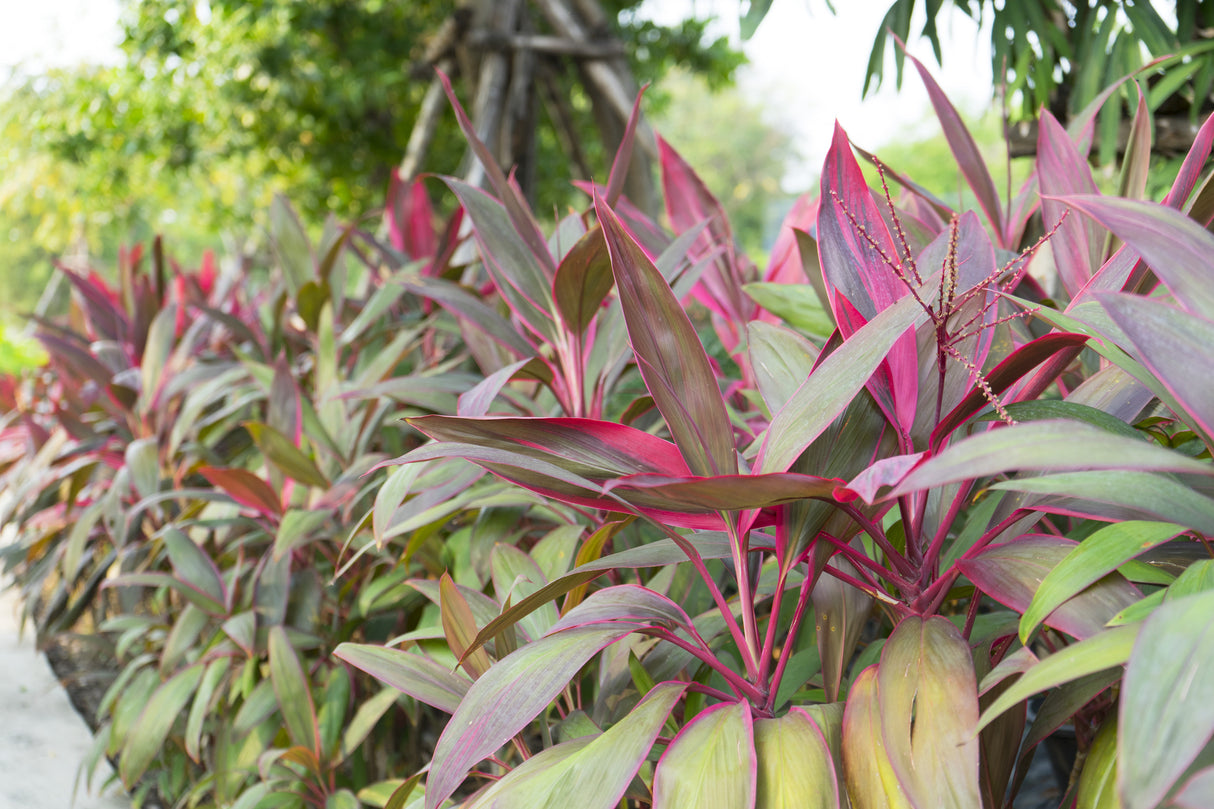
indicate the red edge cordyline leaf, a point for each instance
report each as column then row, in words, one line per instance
column 670, row 356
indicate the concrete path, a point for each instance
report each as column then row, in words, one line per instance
column 42, row 738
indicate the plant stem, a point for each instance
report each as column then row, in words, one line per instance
column 878, row 536
column 794, row 629
column 932, row 557
column 971, row 615
column 710, row 691
column 741, row 558
column 936, row 592
column 863, row 561
column 863, row 587
column 739, row 684
column 697, row 562
column 769, row 641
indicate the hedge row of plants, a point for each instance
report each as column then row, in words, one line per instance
column 488, row 514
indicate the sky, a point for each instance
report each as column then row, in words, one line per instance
column 36, row 34
column 807, row 65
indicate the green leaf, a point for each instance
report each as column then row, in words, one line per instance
column 1171, row 343
column 156, row 352
column 796, row 769
column 390, row 496
column 506, row 698
column 556, row 551
column 1198, row 793
column 142, row 458
column 374, row 310
column 583, row 280
column 459, row 625
column 1102, row 651
column 147, row 736
column 296, row 529
column 216, row 670
column 331, row 712
column 591, row 772
column 282, row 453
column 1097, row 788
column 755, row 12
column 1097, row 555
column 517, row 272
column 711, row 764
column 342, row 799
column 781, row 359
column 1196, row 578
column 840, row 613
column 472, row 311
column 194, row 568
column 290, row 243
column 1054, row 409
column 369, row 712
column 1167, row 701
column 294, row 695
column 1141, row 494
column 928, row 698
column 1013, row 572
column 670, row 355
column 244, row 487
column 797, row 305
column 629, row 603
column 1177, row 248
column 1059, row 445
column 408, row 672
column 394, row 792
column 183, row 637
column 515, row 574
column 653, row 554
column 309, row 301
column 870, row 777
column 835, row 383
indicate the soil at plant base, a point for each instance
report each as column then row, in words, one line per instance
column 43, row 740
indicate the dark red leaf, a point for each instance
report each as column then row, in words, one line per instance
column 245, row 488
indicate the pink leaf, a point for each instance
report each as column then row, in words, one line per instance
column 1179, row 250
column 688, row 203
column 861, row 262
column 886, row 472
column 1012, row 572
column 965, row 151
column 785, row 266
column 1062, row 170
column 410, row 218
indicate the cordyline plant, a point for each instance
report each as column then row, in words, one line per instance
column 188, row 472
column 839, row 574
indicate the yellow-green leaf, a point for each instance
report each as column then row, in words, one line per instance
column 796, row 769
column 711, row 764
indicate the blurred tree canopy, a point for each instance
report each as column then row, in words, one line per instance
column 220, row 104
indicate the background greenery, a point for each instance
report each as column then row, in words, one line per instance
column 216, row 107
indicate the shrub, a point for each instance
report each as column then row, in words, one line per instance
column 838, row 571
column 684, row 533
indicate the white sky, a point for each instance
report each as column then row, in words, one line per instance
column 35, row 34
column 807, row 64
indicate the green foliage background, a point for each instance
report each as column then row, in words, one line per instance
column 218, row 106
